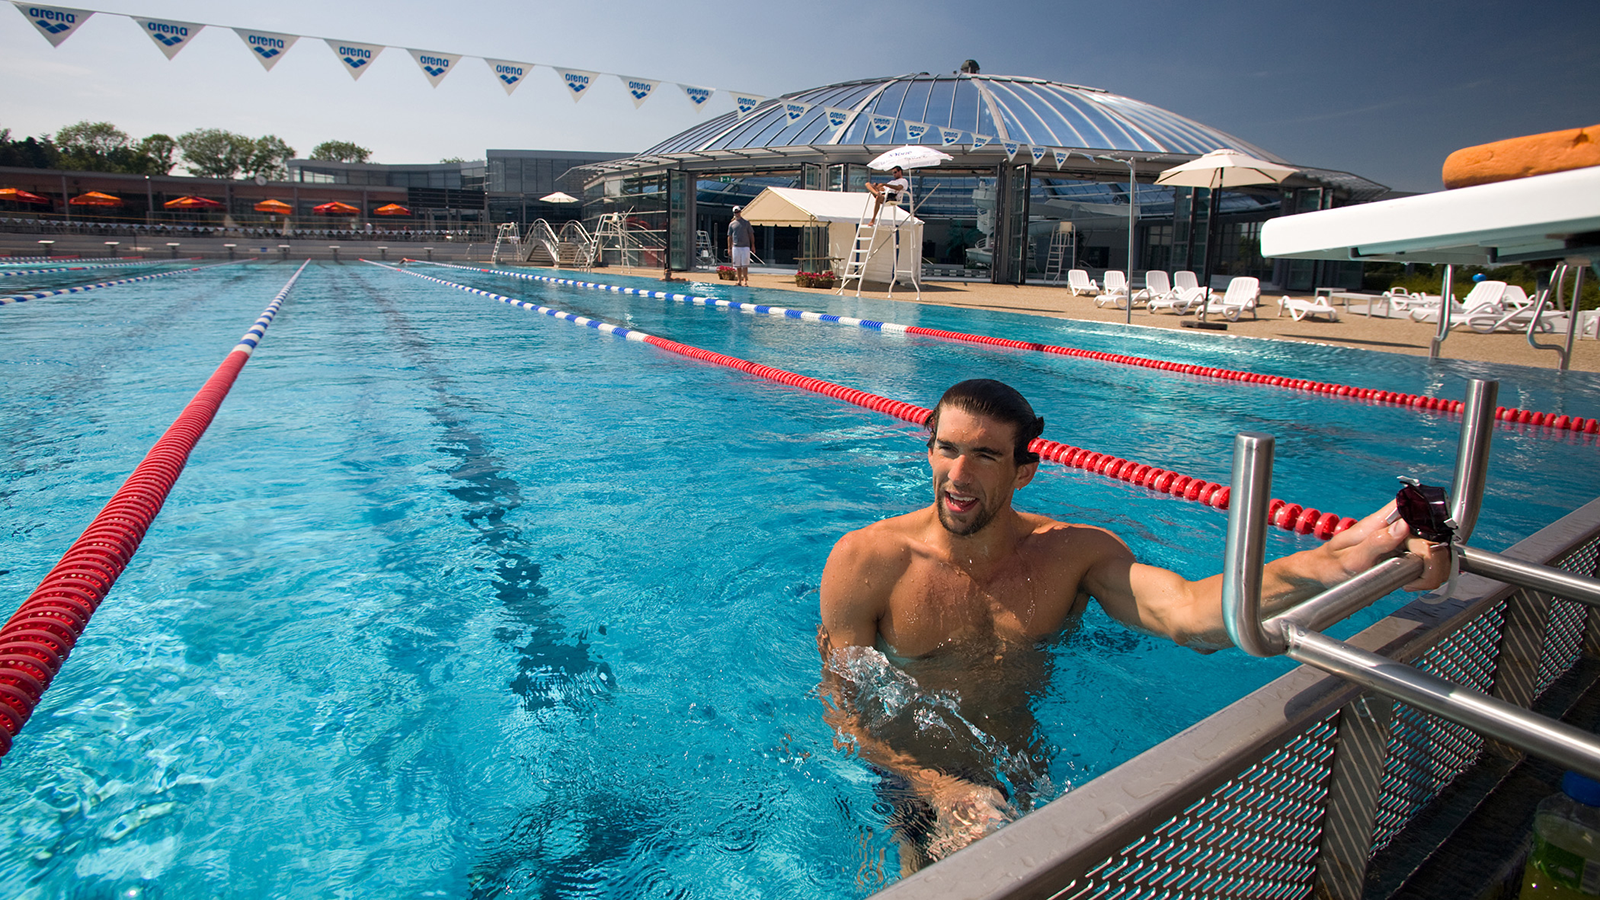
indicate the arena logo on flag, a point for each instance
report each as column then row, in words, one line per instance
column 510, row 73
column 267, row 46
column 948, row 136
column 355, row 57
column 746, row 103
column 1011, row 148
column 1061, row 157
column 915, row 131
column 697, row 95
column 882, row 125
column 56, row 23
column 795, row 110
column 435, row 66
column 1038, row 153
column 981, row 140
column 837, row 117
column 639, row 89
column 170, row 37
column 577, row 81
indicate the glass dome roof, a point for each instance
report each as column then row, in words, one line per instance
column 1029, row 111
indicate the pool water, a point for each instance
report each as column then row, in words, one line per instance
column 458, row 600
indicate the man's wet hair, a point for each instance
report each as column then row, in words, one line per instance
column 994, row 400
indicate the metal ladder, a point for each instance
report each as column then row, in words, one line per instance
column 1059, row 259
column 506, row 234
column 1297, row 632
column 873, row 238
column 704, row 253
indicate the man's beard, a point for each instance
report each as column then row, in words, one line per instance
column 984, row 517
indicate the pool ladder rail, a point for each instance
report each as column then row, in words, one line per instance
column 1297, row 632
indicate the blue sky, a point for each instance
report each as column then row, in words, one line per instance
column 1383, row 89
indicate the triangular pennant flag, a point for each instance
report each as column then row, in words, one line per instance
column 746, row 103
column 948, row 136
column 434, row 65
column 510, row 73
column 1011, row 148
column 697, row 95
column 355, row 57
column 56, row 23
column 795, row 110
column 981, row 140
column 882, row 125
column 1061, row 157
column 1037, row 151
column 267, row 46
column 639, row 89
column 837, row 117
column 915, row 131
column 577, row 81
column 170, row 36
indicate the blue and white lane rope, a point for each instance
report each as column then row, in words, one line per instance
column 252, row 338
column 1555, row 423
column 7, row 273
column 24, row 298
column 1288, row 516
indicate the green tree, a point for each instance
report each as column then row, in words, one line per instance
column 269, row 158
column 215, row 153
column 94, row 147
column 340, row 151
column 153, row 155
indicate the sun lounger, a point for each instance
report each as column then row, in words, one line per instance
column 1185, row 279
column 1157, row 285
column 1299, row 309
column 1514, row 312
column 1484, row 296
column 1080, row 283
column 1180, row 301
column 1243, row 293
column 1116, row 293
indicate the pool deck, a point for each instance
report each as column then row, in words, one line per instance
column 1353, row 329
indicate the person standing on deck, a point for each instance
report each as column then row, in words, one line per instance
column 740, row 238
column 956, row 603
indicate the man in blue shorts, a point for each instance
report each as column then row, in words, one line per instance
column 740, row 236
column 936, row 625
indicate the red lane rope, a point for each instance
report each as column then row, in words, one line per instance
column 37, row 639
column 1281, row 514
column 1505, row 414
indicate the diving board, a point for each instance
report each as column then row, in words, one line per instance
column 1555, row 216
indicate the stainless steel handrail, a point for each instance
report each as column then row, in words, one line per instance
column 1295, row 632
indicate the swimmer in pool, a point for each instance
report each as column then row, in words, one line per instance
column 962, row 597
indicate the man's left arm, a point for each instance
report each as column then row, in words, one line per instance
column 1190, row 612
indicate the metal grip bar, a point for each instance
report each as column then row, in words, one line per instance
column 1472, row 456
column 1565, row 585
column 1247, row 518
column 1342, row 601
column 1540, row 736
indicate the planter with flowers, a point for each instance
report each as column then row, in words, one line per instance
column 727, row 273
column 824, row 280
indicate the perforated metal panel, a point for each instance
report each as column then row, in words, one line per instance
column 1254, row 837
column 1426, row 752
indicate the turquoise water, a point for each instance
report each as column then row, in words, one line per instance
column 458, row 600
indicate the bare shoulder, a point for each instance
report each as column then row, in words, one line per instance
column 884, row 546
column 1087, row 542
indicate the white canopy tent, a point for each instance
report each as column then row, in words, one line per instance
column 839, row 212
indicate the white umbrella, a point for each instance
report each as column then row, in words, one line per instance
column 1225, row 169
column 1219, row 169
column 911, row 156
column 558, row 197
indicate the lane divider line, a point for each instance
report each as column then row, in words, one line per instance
column 24, row 298
column 10, row 273
column 36, row 640
column 1281, row 514
column 1509, row 415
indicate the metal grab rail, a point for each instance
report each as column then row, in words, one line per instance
column 1295, row 633
column 1557, row 283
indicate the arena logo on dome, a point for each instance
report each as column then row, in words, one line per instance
column 355, row 57
column 640, row 89
column 697, row 95
column 56, row 23
column 268, row 47
column 169, row 36
column 795, row 110
column 435, row 66
column 577, row 81
column 510, row 73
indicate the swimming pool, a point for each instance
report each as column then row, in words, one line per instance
column 458, row 600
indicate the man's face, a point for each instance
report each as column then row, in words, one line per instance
column 974, row 470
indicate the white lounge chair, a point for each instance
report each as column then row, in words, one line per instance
column 1180, row 301
column 1243, row 294
column 1484, row 296
column 1157, row 285
column 1185, row 279
column 1299, row 309
column 1514, row 312
column 1115, row 291
column 1080, row 283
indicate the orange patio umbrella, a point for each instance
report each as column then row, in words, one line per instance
column 274, row 206
column 335, row 208
column 192, row 203
column 95, row 198
column 391, row 209
column 21, row 196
